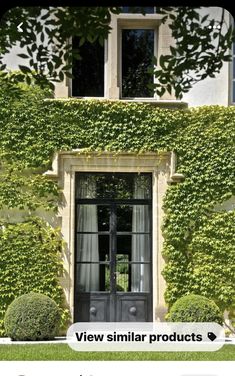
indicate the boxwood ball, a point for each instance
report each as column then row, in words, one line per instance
column 32, row 317
column 195, row 308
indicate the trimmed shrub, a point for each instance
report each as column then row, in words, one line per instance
column 195, row 308
column 32, row 317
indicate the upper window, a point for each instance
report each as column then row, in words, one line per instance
column 123, row 64
column 88, row 72
column 147, row 10
column 137, row 55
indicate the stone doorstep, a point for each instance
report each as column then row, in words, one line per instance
column 8, row 341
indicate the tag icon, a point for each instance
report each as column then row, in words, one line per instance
column 211, row 336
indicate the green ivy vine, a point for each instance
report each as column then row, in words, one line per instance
column 30, row 260
column 199, row 244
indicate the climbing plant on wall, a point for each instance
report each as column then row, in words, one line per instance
column 199, row 242
column 206, row 152
column 30, row 260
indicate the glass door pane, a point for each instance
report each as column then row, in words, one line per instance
column 122, row 274
column 92, row 245
column 133, row 218
column 140, row 277
column 92, row 277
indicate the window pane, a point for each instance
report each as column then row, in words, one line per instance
column 133, row 218
column 92, row 248
column 103, row 217
column 89, row 71
column 136, row 248
column 87, row 218
column 147, row 10
column 86, row 186
column 140, row 277
column 234, row 91
column 140, row 251
column 137, row 54
column 123, row 247
column 92, row 277
column 113, row 185
column 124, row 218
column 134, row 277
column 123, row 277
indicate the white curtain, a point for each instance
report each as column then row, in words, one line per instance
column 140, row 243
column 87, row 244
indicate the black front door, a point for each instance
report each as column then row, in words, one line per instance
column 113, row 267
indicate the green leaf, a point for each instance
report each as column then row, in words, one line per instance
column 24, row 69
column 23, row 56
column 68, row 74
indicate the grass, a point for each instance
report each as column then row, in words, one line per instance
column 64, row 352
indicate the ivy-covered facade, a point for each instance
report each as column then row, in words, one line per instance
column 118, row 204
column 198, row 221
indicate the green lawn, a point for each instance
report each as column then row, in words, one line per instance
column 64, row 352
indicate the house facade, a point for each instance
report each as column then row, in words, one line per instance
column 111, row 212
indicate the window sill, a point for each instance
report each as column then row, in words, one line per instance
column 170, row 103
column 173, row 104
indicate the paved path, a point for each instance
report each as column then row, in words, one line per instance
column 8, row 341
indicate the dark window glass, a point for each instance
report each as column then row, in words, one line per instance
column 136, row 247
column 137, row 54
column 124, row 218
column 113, row 185
column 103, row 218
column 147, row 10
column 133, row 218
column 124, row 245
column 89, row 71
column 234, row 91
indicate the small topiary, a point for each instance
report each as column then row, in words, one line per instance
column 32, row 317
column 195, row 308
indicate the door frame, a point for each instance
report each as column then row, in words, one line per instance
column 64, row 166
